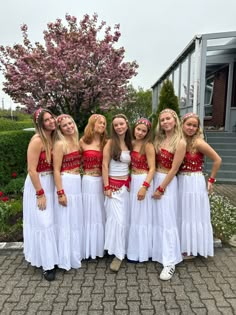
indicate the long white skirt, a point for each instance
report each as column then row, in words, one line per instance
column 117, row 223
column 196, row 235
column 140, row 230
column 94, row 215
column 40, row 247
column 69, row 222
column 166, row 244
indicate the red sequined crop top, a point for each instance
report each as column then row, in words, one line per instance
column 193, row 162
column 92, row 161
column 71, row 161
column 139, row 162
column 164, row 159
column 43, row 164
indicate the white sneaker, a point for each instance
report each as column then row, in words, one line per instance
column 167, row 272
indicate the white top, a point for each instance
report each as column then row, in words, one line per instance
column 120, row 168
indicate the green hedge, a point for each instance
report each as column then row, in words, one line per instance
column 7, row 124
column 13, row 148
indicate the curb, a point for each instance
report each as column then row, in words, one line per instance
column 11, row 245
column 20, row 245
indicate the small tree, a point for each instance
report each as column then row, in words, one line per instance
column 167, row 99
column 138, row 104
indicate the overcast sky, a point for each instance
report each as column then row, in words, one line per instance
column 153, row 32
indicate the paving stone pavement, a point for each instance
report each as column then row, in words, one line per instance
column 200, row 286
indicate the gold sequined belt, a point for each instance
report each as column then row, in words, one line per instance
column 46, row 173
column 138, row 172
column 190, row 173
column 71, row 172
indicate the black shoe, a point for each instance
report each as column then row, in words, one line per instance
column 49, row 275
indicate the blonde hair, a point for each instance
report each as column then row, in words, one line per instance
column 148, row 136
column 160, row 134
column 58, row 135
column 199, row 132
column 89, row 130
column 38, row 118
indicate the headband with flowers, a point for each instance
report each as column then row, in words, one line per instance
column 121, row 116
column 144, row 121
column 37, row 114
column 96, row 116
column 61, row 117
column 188, row 115
column 168, row 110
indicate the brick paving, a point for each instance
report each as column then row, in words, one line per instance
column 200, row 286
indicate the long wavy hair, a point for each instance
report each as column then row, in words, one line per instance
column 38, row 118
column 160, row 134
column 115, row 148
column 88, row 136
column 198, row 134
column 59, row 136
column 148, row 136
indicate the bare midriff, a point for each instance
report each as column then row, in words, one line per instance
column 162, row 170
column 93, row 172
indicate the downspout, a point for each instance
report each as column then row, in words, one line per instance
column 196, row 73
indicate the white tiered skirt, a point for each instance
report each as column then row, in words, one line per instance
column 117, row 223
column 40, row 247
column 141, row 220
column 94, row 215
column 166, row 243
column 70, row 224
column 196, row 235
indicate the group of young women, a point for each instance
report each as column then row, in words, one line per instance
column 147, row 213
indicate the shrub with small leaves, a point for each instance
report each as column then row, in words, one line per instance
column 11, row 226
column 223, row 217
column 5, row 212
column 15, row 186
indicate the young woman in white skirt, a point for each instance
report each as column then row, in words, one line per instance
column 115, row 172
column 170, row 150
column 92, row 144
column 196, row 234
column 40, row 248
column 141, row 190
column 68, row 206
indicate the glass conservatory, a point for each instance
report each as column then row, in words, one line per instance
column 204, row 79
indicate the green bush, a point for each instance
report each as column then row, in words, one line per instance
column 223, row 217
column 14, row 186
column 8, row 125
column 13, row 148
column 17, row 115
column 11, row 224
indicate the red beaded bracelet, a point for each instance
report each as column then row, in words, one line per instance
column 160, row 189
column 60, row 192
column 211, row 180
column 107, row 187
column 146, row 184
column 40, row 192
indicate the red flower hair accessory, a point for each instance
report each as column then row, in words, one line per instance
column 144, row 121
column 61, row 117
column 188, row 115
column 37, row 113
